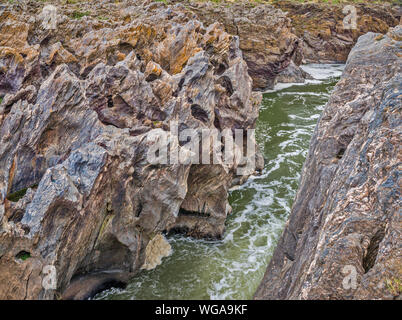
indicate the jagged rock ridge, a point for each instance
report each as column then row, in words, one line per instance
column 346, row 218
column 324, row 38
column 79, row 102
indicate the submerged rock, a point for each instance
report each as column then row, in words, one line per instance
column 81, row 101
column 342, row 240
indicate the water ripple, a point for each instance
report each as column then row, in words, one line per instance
column 233, row 267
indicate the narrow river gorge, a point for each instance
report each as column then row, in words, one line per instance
column 99, row 99
column 232, row 268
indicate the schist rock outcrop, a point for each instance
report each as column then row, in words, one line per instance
column 323, row 35
column 80, row 96
column 343, row 238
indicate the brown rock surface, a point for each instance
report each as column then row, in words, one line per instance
column 343, row 238
column 321, row 29
column 79, row 103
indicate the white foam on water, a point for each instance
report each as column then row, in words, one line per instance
column 318, row 71
column 233, row 267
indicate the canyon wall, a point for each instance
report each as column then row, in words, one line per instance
column 343, row 238
column 277, row 36
column 81, row 97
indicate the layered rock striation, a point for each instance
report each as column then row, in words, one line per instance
column 343, row 238
column 276, row 37
column 81, row 95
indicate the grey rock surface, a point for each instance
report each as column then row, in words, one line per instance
column 265, row 33
column 79, row 104
column 343, row 237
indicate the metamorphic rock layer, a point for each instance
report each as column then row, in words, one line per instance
column 277, row 37
column 265, row 34
column 323, row 35
column 343, row 239
column 79, row 101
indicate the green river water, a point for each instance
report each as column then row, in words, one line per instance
column 233, row 267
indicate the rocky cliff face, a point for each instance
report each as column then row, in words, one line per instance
column 277, row 37
column 81, row 93
column 343, row 238
column 324, row 37
column 265, row 34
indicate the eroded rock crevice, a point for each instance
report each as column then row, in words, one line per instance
column 346, row 214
